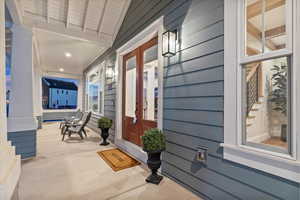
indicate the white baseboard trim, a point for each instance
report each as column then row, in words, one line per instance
column 132, row 149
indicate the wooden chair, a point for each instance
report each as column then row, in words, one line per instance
column 76, row 118
column 77, row 128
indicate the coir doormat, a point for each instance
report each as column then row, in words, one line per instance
column 117, row 159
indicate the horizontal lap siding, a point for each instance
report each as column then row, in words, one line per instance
column 24, row 142
column 193, row 112
column 194, row 102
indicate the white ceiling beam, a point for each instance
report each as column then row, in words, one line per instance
column 36, row 50
column 68, row 13
column 16, row 11
column 48, row 10
column 87, row 6
column 72, row 32
column 101, row 17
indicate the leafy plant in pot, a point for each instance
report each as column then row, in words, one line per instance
column 279, row 94
column 154, row 143
column 104, row 124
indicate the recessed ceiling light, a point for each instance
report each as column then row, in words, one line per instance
column 68, row 54
column 61, row 69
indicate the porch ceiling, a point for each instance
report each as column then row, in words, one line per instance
column 84, row 28
column 52, row 48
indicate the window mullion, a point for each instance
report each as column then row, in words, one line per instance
column 263, row 38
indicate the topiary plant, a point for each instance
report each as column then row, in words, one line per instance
column 153, row 140
column 104, row 123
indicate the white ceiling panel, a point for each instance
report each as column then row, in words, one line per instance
column 58, row 10
column 94, row 13
column 52, row 48
column 77, row 11
column 85, row 28
column 36, row 7
column 112, row 16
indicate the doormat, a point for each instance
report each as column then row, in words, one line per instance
column 117, row 159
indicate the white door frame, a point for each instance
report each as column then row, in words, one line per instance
column 155, row 29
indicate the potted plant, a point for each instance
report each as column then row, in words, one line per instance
column 154, row 143
column 104, row 124
column 279, row 94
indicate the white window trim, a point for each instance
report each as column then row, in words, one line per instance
column 103, row 82
column 278, row 164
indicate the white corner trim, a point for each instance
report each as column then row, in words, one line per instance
column 156, row 28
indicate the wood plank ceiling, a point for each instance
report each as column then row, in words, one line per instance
column 93, row 20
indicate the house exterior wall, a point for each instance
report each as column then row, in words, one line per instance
column 193, row 102
column 62, row 97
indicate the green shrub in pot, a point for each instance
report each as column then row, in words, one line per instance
column 154, row 143
column 153, row 140
column 104, row 123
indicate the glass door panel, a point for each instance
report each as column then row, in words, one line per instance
column 131, row 95
column 150, row 84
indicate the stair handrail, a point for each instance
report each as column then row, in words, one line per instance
column 252, row 72
column 251, row 100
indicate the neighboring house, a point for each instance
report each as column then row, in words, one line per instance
column 59, row 94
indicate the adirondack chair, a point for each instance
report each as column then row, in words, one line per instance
column 73, row 119
column 77, row 128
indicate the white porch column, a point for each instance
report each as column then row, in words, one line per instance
column 21, row 116
column 10, row 166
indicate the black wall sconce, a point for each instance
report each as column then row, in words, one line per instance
column 169, row 43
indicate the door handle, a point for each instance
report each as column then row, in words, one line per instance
column 134, row 120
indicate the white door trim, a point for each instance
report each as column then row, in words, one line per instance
column 155, row 29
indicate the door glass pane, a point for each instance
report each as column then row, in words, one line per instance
column 254, row 26
column 266, row 104
column 150, row 84
column 130, row 92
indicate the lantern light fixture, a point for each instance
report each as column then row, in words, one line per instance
column 110, row 72
column 169, row 43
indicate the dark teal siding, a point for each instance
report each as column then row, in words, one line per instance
column 193, row 102
column 24, row 142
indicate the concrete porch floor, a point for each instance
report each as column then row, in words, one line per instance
column 72, row 170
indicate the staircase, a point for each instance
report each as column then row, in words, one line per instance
column 254, row 96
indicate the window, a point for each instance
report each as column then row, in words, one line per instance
column 95, row 89
column 55, row 93
column 259, row 113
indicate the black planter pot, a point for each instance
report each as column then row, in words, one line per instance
column 154, row 163
column 104, row 135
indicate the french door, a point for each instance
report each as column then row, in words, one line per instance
column 140, row 91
